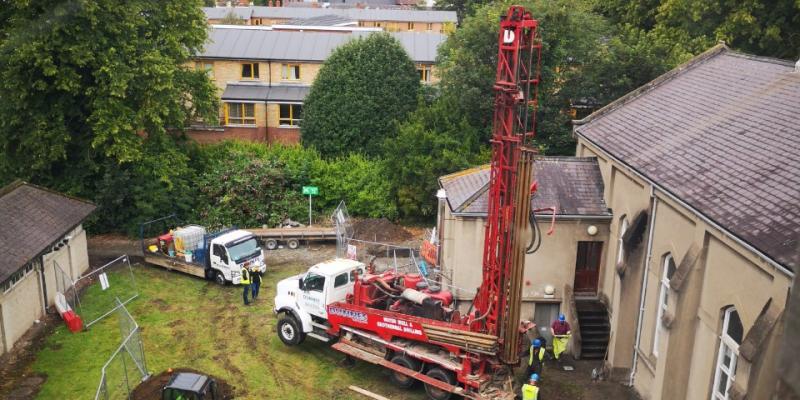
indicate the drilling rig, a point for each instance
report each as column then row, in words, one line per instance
column 402, row 323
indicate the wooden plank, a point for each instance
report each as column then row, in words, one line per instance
column 172, row 264
column 344, row 346
column 367, row 393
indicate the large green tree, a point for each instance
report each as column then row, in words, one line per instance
column 89, row 90
column 362, row 91
column 583, row 60
column 769, row 28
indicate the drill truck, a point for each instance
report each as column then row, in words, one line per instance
column 410, row 326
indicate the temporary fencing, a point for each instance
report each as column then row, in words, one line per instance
column 105, row 289
column 127, row 366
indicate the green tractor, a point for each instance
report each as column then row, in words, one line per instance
column 190, row 386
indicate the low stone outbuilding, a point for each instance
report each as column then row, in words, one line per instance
column 40, row 231
column 567, row 261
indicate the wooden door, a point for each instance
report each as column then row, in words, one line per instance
column 587, row 267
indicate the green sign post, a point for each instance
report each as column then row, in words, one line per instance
column 310, row 191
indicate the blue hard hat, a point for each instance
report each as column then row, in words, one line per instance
column 535, row 377
column 536, row 343
column 561, row 317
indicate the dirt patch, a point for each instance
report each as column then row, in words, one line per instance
column 104, row 248
column 17, row 379
column 160, row 304
column 558, row 384
column 380, row 230
column 151, row 388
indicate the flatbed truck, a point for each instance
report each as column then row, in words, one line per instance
column 220, row 256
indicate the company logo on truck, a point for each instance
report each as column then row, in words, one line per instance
column 355, row 316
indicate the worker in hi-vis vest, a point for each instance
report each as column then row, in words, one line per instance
column 245, row 282
column 530, row 390
column 535, row 358
column 561, row 332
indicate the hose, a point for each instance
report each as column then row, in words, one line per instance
column 536, row 238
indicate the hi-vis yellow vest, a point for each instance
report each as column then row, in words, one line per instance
column 530, row 392
column 245, row 277
column 541, row 355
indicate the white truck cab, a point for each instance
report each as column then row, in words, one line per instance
column 232, row 251
column 303, row 298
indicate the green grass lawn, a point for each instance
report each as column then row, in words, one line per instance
column 189, row 322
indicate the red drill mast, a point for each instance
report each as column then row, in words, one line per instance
column 514, row 117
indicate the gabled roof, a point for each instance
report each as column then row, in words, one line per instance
column 358, row 14
column 571, row 184
column 722, row 134
column 33, row 219
column 235, row 43
column 261, row 92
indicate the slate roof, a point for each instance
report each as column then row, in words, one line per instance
column 322, row 20
column 266, row 93
column 232, row 43
column 721, row 133
column 34, row 218
column 357, row 14
column 571, row 184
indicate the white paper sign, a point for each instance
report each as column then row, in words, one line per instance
column 351, row 251
column 104, row 281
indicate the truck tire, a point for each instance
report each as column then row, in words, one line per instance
column 404, row 381
column 293, row 243
column 441, row 375
column 219, row 278
column 271, row 244
column 289, row 331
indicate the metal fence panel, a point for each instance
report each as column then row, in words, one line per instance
column 126, row 367
column 344, row 228
column 104, row 286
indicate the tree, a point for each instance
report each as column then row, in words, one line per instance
column 91, row 87
column 232, row 19
column 361, row 92
column 577, row 43
column 431, row 143
column 768, row 28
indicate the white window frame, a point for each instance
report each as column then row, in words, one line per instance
column 17, row 277
column 290, row 72
column 623, row 227
column 663, row 300
column 725, row 343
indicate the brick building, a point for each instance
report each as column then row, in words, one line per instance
column 264, row 75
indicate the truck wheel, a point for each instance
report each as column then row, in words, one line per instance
column 289, row 331
column 404, row 381
column 271, row 244
column 293, row 243
column 219, row 278
column 441, row 375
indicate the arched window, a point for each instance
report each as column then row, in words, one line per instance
column 623, row 227
column 729, row 341
column 663, row 298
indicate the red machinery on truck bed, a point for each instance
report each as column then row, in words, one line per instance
column 398, row 320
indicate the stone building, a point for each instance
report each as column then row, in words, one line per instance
column 701, row 173
column 41, row 231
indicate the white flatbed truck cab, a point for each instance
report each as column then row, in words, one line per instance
column 303, row 299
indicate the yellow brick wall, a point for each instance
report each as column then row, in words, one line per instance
column 273, row 112
column 231, row 71
column 308, row 72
